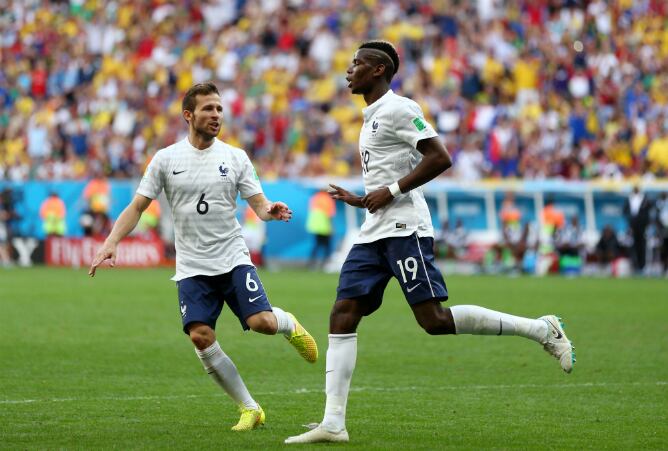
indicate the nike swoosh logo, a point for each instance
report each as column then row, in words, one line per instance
column 178, row 172
column 500, row 327
column 408, row 290
column 557, row 334
column 254, row 299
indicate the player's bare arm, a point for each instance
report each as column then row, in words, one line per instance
column 351, row 199
column 125, row 223
column 435, row 161
column 268, row 210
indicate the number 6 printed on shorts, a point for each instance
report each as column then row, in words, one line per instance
column 251, row 284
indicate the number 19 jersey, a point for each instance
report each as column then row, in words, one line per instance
column 201, row 187
column 393, row 125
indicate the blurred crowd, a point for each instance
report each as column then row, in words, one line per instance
column 576, row 89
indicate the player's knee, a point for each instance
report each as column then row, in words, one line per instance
column 263, row 322
column 344, row 318
column 201, row 337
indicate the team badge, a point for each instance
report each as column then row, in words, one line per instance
column 224, row 172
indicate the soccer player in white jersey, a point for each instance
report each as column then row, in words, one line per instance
column 400, row 151
column 202, row 177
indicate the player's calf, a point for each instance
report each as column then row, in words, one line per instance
column 263, row 323
column 433, row 318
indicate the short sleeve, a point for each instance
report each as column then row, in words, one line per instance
column 151, row 183
column 410, row 124
column 248, row 182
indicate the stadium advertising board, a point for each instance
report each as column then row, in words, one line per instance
column 77, row 252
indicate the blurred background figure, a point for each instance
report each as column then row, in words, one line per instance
column 662, row 229
column 95, row 219
column 7, row 215
column 553, row 219
column 570, row 246
column 148, row 226
column 637, row 210
column 97, row 194
column 451, row 242
column 254, row 232
column 608, row 249
column 321, row 211
column 53, row 212
column 517, row 249
column 510, row 213
column 514, row 242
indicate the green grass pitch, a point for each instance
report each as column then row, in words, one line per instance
column 102, row 363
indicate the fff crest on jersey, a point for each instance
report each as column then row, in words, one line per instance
column 374, row 128
column 224, row 171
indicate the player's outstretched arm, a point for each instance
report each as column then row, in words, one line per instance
column 339, row 193
column 268, row 210
column 125, row 223
column 435, row 161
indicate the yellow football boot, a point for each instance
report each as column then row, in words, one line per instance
column 250, row 419
column 303, row 342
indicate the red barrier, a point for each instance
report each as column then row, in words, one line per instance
column 77, row 252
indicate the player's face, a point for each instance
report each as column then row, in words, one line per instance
column 207, row 117
column 360, row 74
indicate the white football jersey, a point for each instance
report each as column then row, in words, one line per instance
column 202, row 187
column 393, row 125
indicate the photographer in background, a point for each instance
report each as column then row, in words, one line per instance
column 7, row 216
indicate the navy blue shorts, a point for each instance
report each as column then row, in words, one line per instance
column 201, row 298
column 370, row 266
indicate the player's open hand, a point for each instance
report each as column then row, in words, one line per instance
column 279, row 211
column 107, row 251
column 339, row 193
column 376, row 200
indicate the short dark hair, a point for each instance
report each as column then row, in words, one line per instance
column 387, row 48
column 200, row 89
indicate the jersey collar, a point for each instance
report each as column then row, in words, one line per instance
column 199, row 151
column 371, row 109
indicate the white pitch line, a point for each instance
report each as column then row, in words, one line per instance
column 300, row 391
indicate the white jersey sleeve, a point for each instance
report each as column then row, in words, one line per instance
column 410, row 124
column 153, row 180
column 248, row 183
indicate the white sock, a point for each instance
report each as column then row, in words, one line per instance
column 341, row 357
column 224, row 372
column 471, row 319
column 285, row 323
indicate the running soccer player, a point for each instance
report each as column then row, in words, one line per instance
column 202, row 177
column 400, row 151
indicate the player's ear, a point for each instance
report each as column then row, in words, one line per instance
column 187, row 115
column 379, row 70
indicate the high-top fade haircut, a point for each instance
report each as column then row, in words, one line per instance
column 200, row 89
column 385, row 53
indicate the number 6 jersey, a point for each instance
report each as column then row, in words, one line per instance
column 393, row 125
column 202, row 187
